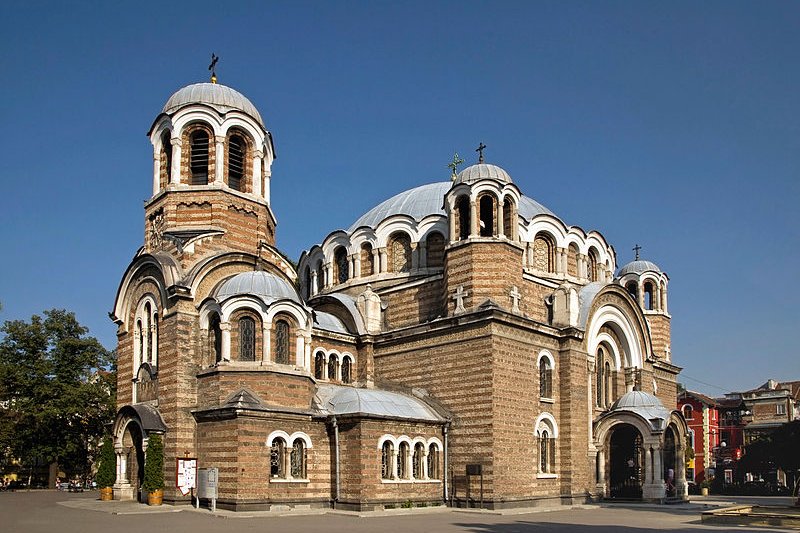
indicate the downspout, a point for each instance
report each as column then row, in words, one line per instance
column 336, row 458
column 445, row 488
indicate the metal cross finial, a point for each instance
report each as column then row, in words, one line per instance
column 213, row 67
column 636, row 249
column 453, row 165
column 481, row 147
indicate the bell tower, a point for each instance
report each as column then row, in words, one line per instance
column 212, row 161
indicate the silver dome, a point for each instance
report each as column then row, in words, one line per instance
column 266, row 286
column 220, row 97
column 483, row 171
column 643, row 404
column 639, row 267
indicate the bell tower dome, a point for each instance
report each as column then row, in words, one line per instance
column 212, row 166
column 647, row 284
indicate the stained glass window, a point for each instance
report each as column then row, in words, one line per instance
column 342, row 270
column 319, row 365
column 333, row 366
column 276, row 458
column 544, row 452
column 247, row 339
column 401, row 253
column 386, row 460
column 346, row 370
column 282, row 342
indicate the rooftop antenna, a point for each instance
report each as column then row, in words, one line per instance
column 213, row 67
column 481, row 147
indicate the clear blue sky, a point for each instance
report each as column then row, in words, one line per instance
column 675, row 125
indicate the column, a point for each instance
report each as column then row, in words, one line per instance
column 219, row 159
column 376, row 261
column 175, row 172
column 356, row 265
column 425, row 474
column 257, row 157
column 384, row 260
column 267, row 175
column 225, row 328
column 307, row 352
column 396, row 452
column 314, row 283
column 451, row 219
column 473, row 219
column 299, row 350
column 658, row 474
column 640, row 293
column 501, row 230
column 422, row 249
column 648, row 466
column 414, row 256
column 266, row 335
column 156, row 172
column 601, row 466
column 122, row 465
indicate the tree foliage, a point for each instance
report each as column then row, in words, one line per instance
column 57, row 391
column 778, row 449
column 107, row 469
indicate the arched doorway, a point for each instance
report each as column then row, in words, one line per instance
column 626, row 462
column 670, row 461
column 134, row 457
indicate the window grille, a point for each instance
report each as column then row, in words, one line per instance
column 198, row 159
column 298, row 459
column 342, row 270
column 545, row 379
column 544, row 452
column 543, row 254
column 386, row 460
column 276, row 458
column 346, row 370
column 282, row 342
column 402, row 461
column 433, row 462
column 319, row 365
column 247, row 339
column 401, row 253
column 417, row 461
column 148, row 331
column 333, row 366
column 236, row 158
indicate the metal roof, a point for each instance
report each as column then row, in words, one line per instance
column 338, row 400
column 639, row 267
column 643, row 404
column 427, row 200
column 329, row 322
column 220, row 97
column 268, row 287
column 483, row 171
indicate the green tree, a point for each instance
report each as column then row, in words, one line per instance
column 106, row 470
column 57, row 392
column 154, row 464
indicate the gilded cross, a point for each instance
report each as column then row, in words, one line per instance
column 636, row 249
column 459, row 298
column 453, row 165
column 213, row 67
column 481, row 147
column 515, row 298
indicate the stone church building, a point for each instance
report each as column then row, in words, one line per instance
column 458, row 327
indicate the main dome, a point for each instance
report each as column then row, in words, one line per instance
column 220, row 97
column 427, row 200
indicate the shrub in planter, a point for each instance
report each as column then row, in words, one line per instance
column 153, row 482
column 106, row 470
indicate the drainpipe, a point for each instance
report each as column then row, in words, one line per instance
column 336, row 458
column 445, row 488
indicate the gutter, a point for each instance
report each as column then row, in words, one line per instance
column 335, row 426
column 445, row 488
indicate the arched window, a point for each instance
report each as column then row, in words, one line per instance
column 487, row 218
column 140, row 338
column 400, row 252
column 216, row 338
column 277, row 458
column 599, row 369
column 433, row 462
column 508, row 218
column 298, row 459
column 545, row 449
column 434, row 246
column 236, row 161
column 649, row 300
column 572, row 260
column 418, row 461
column 198, row 157
column 166, row 158
column 367, row 261
column 319, row 365
column 148, row 313
column 607, row 384
column 543, row 253
column 309, row 286
column 591, row 267
column 320, row 276
column 341, row 264
column 333, row 366
column 633, row 290
column 247, row 339
column 387, row 455
column 687, row 412
column 545, row 378
column 463, row 210
column 282, row 342
column 347, row 371
column 402, row 461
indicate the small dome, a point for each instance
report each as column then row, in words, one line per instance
column 638, row 267
column 482, row 171
column 645, row 405
column 220, row 97
column 268, row 287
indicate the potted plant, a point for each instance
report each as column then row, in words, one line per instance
column 704, row 486
column 153, row 482
column 106, row 470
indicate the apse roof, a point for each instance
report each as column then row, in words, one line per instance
column 264, row 285
column 338, row 400
column 220, row 97
column 329, row 322
column 426, row 200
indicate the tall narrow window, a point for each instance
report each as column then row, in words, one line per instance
column 333, row 366
column 298, row 459
column 342, row 264
column 347, row 371
column 166, row 154
column 309, row 288
column 649, row 296
column 198, row 157
column 599, row 367
column 633, row 290
column 544, row 452
column 462, row 206
column 387, row 454
column 140, row 337
column 487, row 218
column 402, row 461
column 400, row 250
column 545, row 378
column 591, row 267
column 607, row 384
column 367, row 261
column 320, row 276
column 247, row 339
column 216, row 338
column 276, row 458
column 418, row 460
column 319, row 365
column 148, row 313
column 543, row 253
column 282, row 342
column 433, row 461
column 508, row 218
column 572, row 260
column 236, row 159
column 434, row 248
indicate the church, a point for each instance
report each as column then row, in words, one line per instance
column 458, row 344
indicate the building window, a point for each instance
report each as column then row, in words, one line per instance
column 434, row 248
column 367, row 261
column 400, row 250
column 347, row 371
column 633, row 290
column 341, row 263
column 547, row 432
column 298, row 459
column 508, row 218
column 277, row 458
column 592, row 272
column 309, row 287
column 198, row 158
column 236, row 161
column 607, row 384
column 148, row 332
column 320, row 276
column 282, row 342
column 780, row 409
column 648, row 296
column 333, row 366
column 463, row 209
column 600, row 368
column 402, row 461
column 387, row 454
column 319, row 365
column 140, row 337
column 545, row 447
column 543, row 253
column 418, row 460
column 247, row 339
column 433, row 462
column 216, row 338
column 545, row 378
column 166, row 154
column 687, row 412
column 572, row 260
column 487, row 218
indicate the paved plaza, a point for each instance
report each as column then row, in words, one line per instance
column 59, row 512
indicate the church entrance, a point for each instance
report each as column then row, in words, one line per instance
column 670, row 463
column 626, row 465
column 134, row 455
